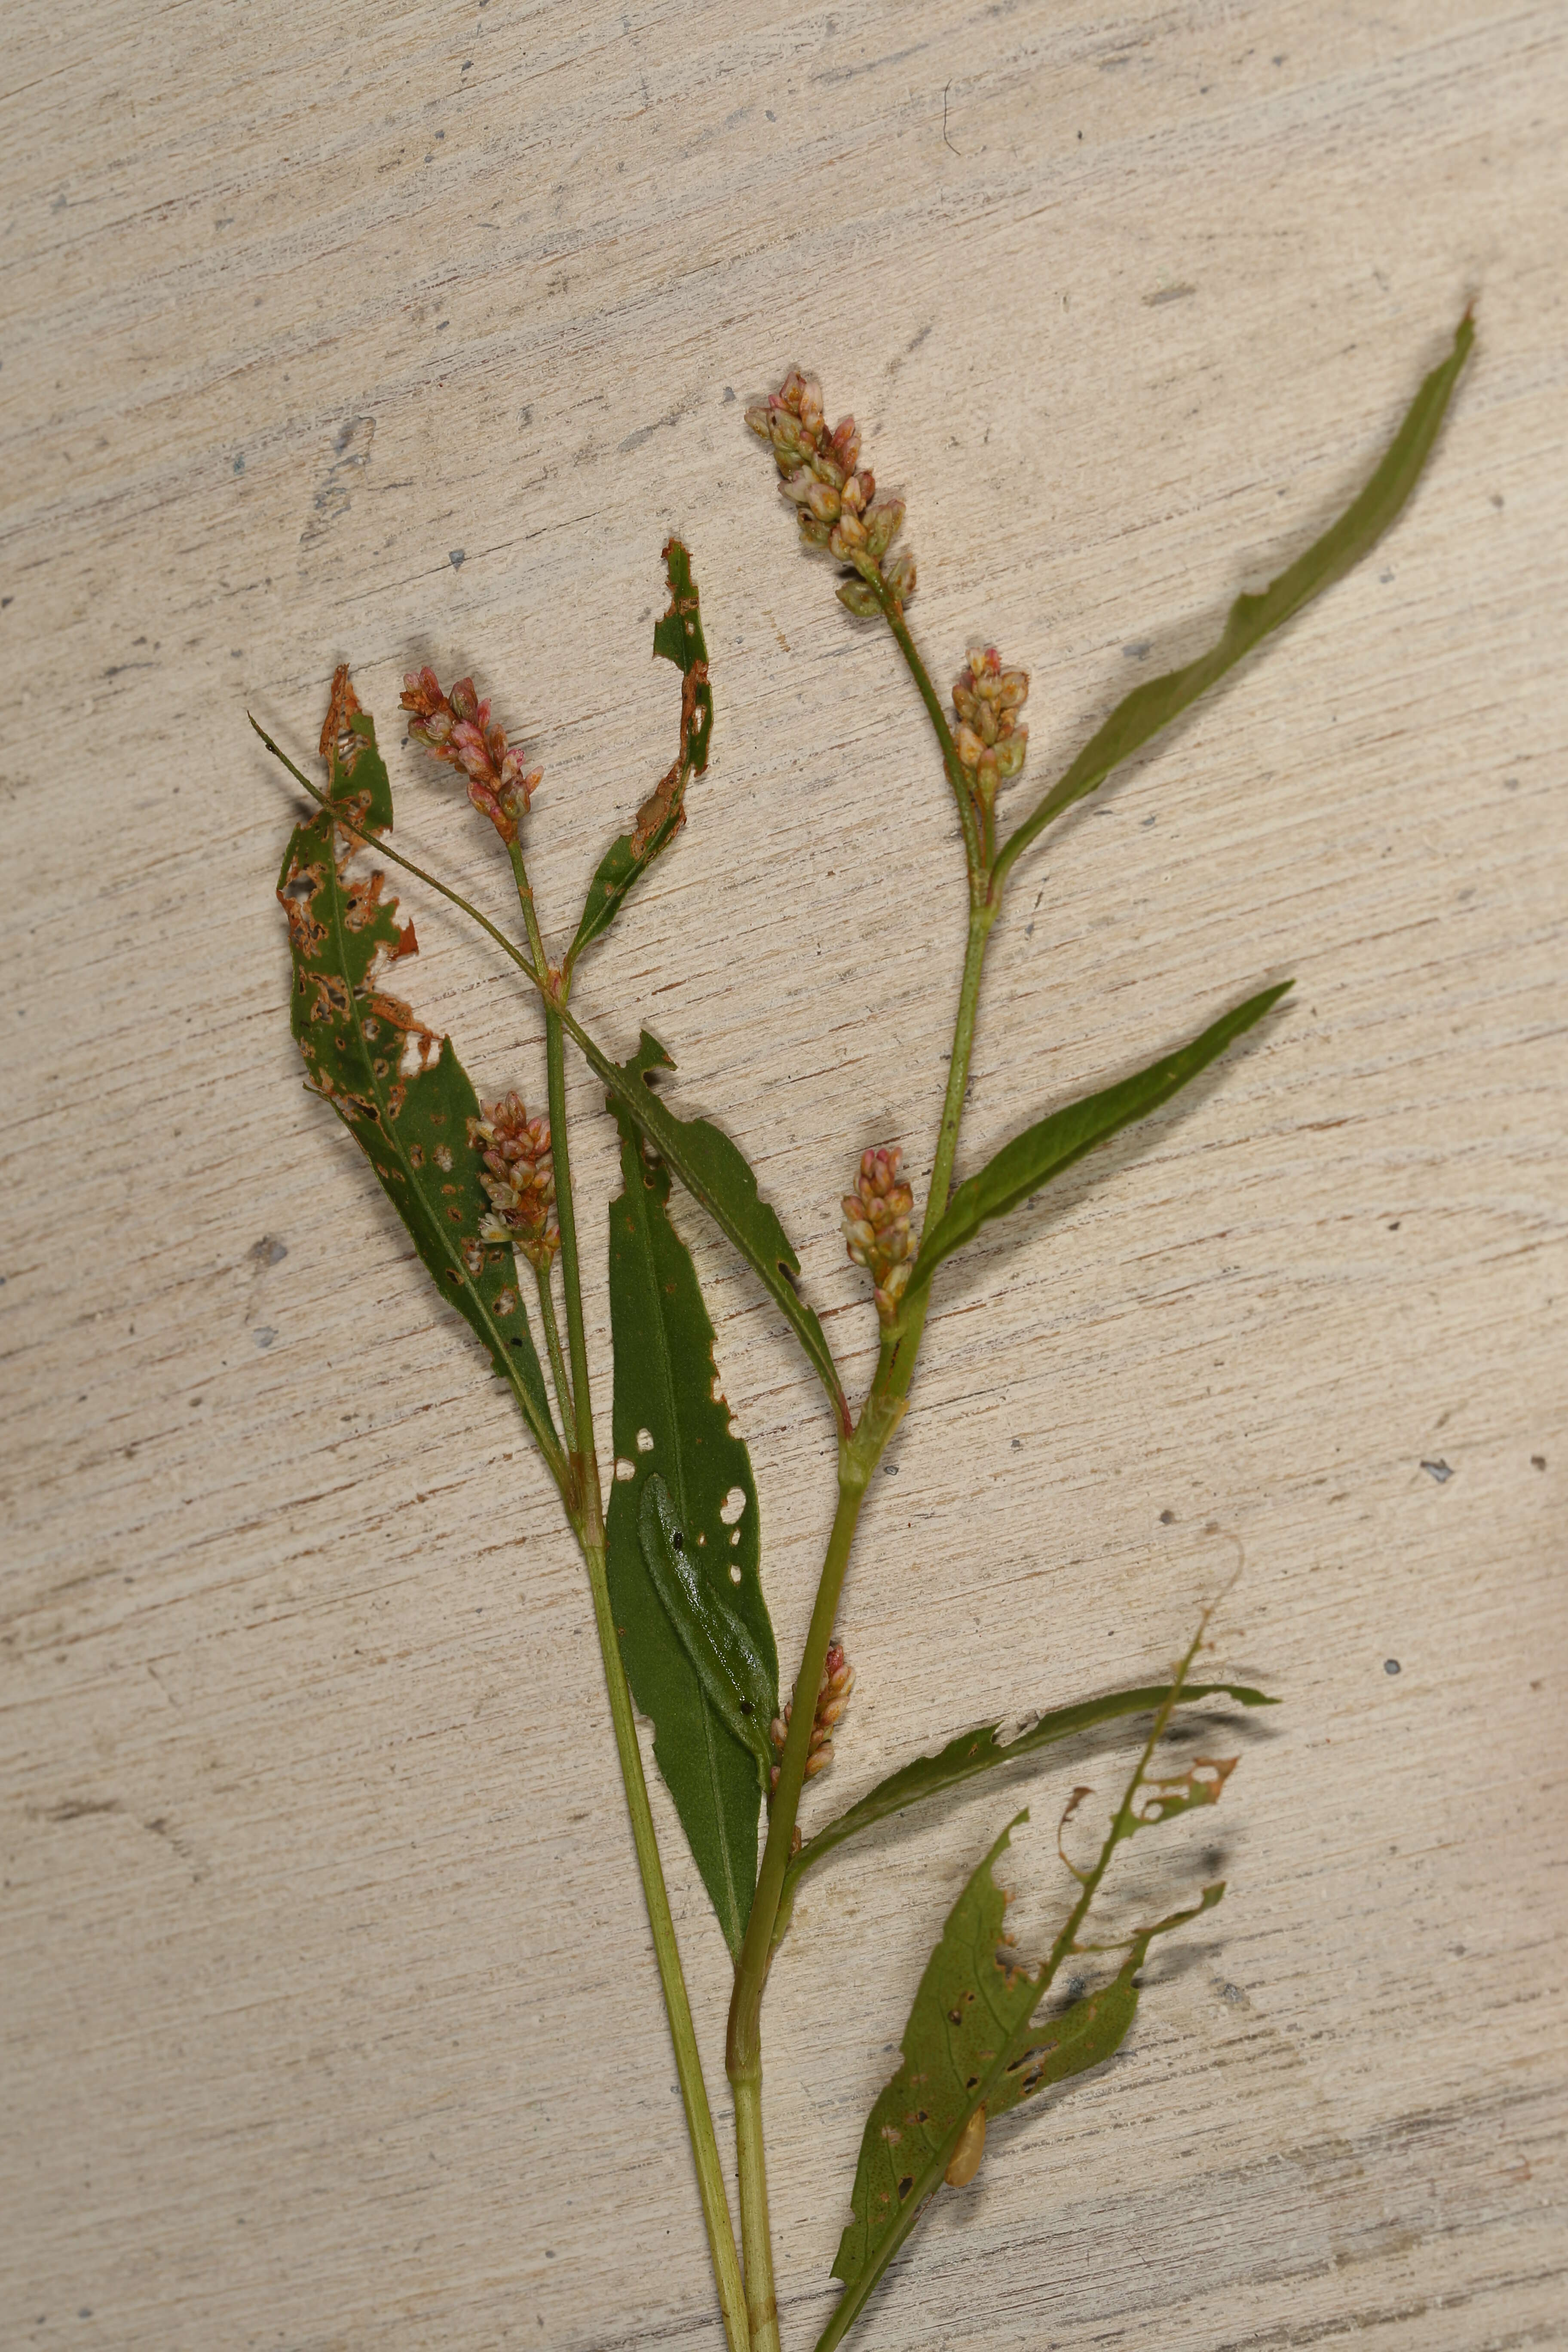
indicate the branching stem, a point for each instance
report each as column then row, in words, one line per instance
column 858, row 1455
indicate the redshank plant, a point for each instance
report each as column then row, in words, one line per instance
column 673, row 1559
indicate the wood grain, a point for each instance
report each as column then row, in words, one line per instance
column 330, row 2019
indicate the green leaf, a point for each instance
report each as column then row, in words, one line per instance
column 401, row 1092
column 981, row 1751
column 679, row 638
column 1153, row 705
column 1052, row 1144
column 1089, row 2030
column 671, row 1426
column 736, row 1680
column 720, row 1179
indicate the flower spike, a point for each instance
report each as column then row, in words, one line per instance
column 876, row 1227
column 833, row 496
column 520, row 1178
column 456, row 727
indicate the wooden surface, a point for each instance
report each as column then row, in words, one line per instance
column 328, row 2013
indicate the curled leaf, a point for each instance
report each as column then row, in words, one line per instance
column 678, row 637
column 720, row 1179
column 726, row 1661
column 981, row 1750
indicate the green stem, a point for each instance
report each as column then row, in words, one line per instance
column 858, row 1457
column 893, row 614
column 553, row 1341
column 682, row 2034
column 757, row 2236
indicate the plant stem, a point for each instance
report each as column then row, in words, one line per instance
column 858, row 1457
column 553, row 1341
column 682, row 2035
column 893, row 614
column 756, row 2235
column 576, row 1404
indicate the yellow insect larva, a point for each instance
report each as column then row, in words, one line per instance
column 966, row 2155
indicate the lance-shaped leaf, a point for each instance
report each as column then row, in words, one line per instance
column 720, row 1179
column 1153, row 705
column 981, row 1750
column 671, row 1426
column 1052, row 1144
column 679, row 638
column 401, row 1092
column 1088, row 2031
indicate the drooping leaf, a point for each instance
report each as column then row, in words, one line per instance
column 678, row 636
column 720, row 1179
column 1090, row 2030
column 401, row 1092
column 981, row 1750
column 1053, row 1144
column 1154, row 705
column 671, row 1426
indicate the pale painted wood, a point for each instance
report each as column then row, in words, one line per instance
column 329, row 2015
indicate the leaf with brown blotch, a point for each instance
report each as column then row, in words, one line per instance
column 399, row 1088
column 679, row 638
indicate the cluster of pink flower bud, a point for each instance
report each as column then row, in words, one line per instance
column 991, row 744
column 876, row 1227
column 835, row 496
column 832, row 1698
column 458, row 727
column 520, row 1177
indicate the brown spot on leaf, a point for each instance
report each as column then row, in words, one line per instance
column 340, row 745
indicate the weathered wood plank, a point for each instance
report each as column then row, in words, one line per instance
column 329, row 2015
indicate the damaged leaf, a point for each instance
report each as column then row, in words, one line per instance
column 1090, row 2030
column 981, row 1751
column 400, row 1090
column 972, row 2022
column 1052, row 1144
column 674, row 1438
column 973, row 2001
column 1150, row 708
column 679, row 638
column 736, row 1682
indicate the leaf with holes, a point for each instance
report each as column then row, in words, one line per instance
column 1052, row 1144
column 974, row 2017
column 973, row 2001
column 981, row 1750
column 679, row 638
column 1150, row 708
column 401, row 1091
column 677, row 1446
column 1090, row 2030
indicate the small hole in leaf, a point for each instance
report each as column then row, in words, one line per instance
column 644, row 1440
column 625, row 1469
column 732, row 1505
column 735, row 1572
